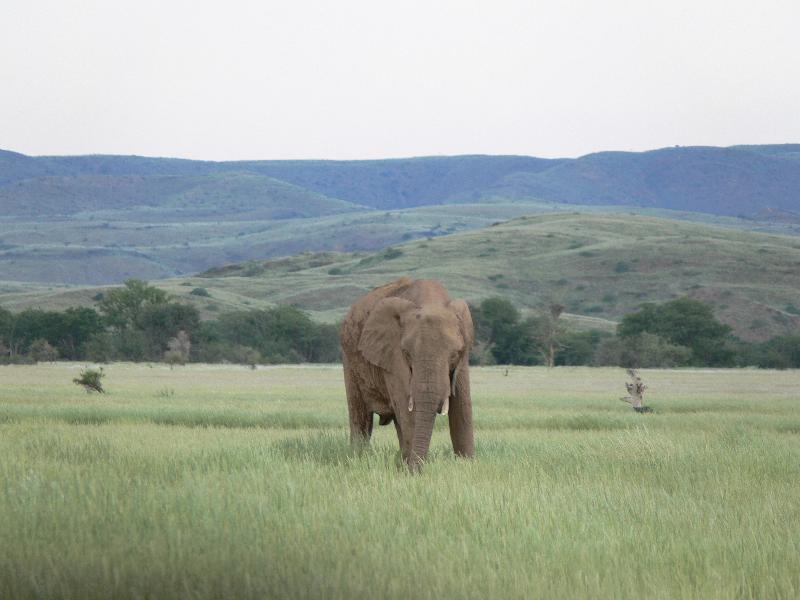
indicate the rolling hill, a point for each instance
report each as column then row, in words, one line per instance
column 599, row 265
column 100, row 219
column 159, row 197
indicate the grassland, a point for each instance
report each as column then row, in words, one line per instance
column 229, row 223
column 154, row 243
column 209, row 482
column 599, row 265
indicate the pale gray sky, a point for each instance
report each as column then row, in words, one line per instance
column 370, row 78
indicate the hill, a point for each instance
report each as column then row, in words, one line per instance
column 100, row 219
column 159, row 197
column 723, row 181
column 720, row 181
column 599, row 265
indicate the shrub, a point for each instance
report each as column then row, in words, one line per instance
column 174, row 358
column 90, row 379
column 622, row 267
column 643, row 350
column 199, row 291
column 244, row 355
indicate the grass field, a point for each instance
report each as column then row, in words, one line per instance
column 599, row 265
column 222, row 482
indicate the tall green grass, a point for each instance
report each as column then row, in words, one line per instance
column 242, row 484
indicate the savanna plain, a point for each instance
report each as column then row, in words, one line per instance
column 222, row 481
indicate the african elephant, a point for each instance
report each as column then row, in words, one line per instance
column 405, row 349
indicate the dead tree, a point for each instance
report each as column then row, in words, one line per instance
column 179, row 348
column 636, row 390
column 549, row 333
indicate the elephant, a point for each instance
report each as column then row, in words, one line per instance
column 405, row 352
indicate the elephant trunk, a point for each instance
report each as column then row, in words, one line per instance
column 431, row 387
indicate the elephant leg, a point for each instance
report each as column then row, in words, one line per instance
column 404, row 427
column 360, row 416
column 460, row 416
column 398, row 392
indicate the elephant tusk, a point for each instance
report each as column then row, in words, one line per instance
column 445, row 405
column 410, row 403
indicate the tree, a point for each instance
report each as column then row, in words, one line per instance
column 579, row 347
column 160, row 322
column 41, row 351
column 25, row 327
column 78, row 327
column 550, row 334
column 7, row 323
column 178, row 349
column 644, row 350
column 516, row 344
column 782, row 352
column 280, row 334
column 509, row 340
column 123, row 306
column 66, row 331
column 683, row 322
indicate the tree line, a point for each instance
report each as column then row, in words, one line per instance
column 679, row 333
column 140, row 322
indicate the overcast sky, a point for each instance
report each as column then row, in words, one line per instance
column 372, row 78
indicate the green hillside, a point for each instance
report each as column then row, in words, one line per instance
column 103, row 247
column 100, row 219
column 599, row 265
column 153, row 243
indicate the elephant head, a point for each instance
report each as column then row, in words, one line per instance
column 422, row 348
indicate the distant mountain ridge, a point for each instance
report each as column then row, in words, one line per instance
column 732, row 181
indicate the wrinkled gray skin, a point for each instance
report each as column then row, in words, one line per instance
column 405, row 349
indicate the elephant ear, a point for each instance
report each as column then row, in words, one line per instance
column 460, row 308
column 380, row 338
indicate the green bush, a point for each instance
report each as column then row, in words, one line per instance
column 643, row 350
column 90, row 379
column 683, row 322
column 622, row 267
